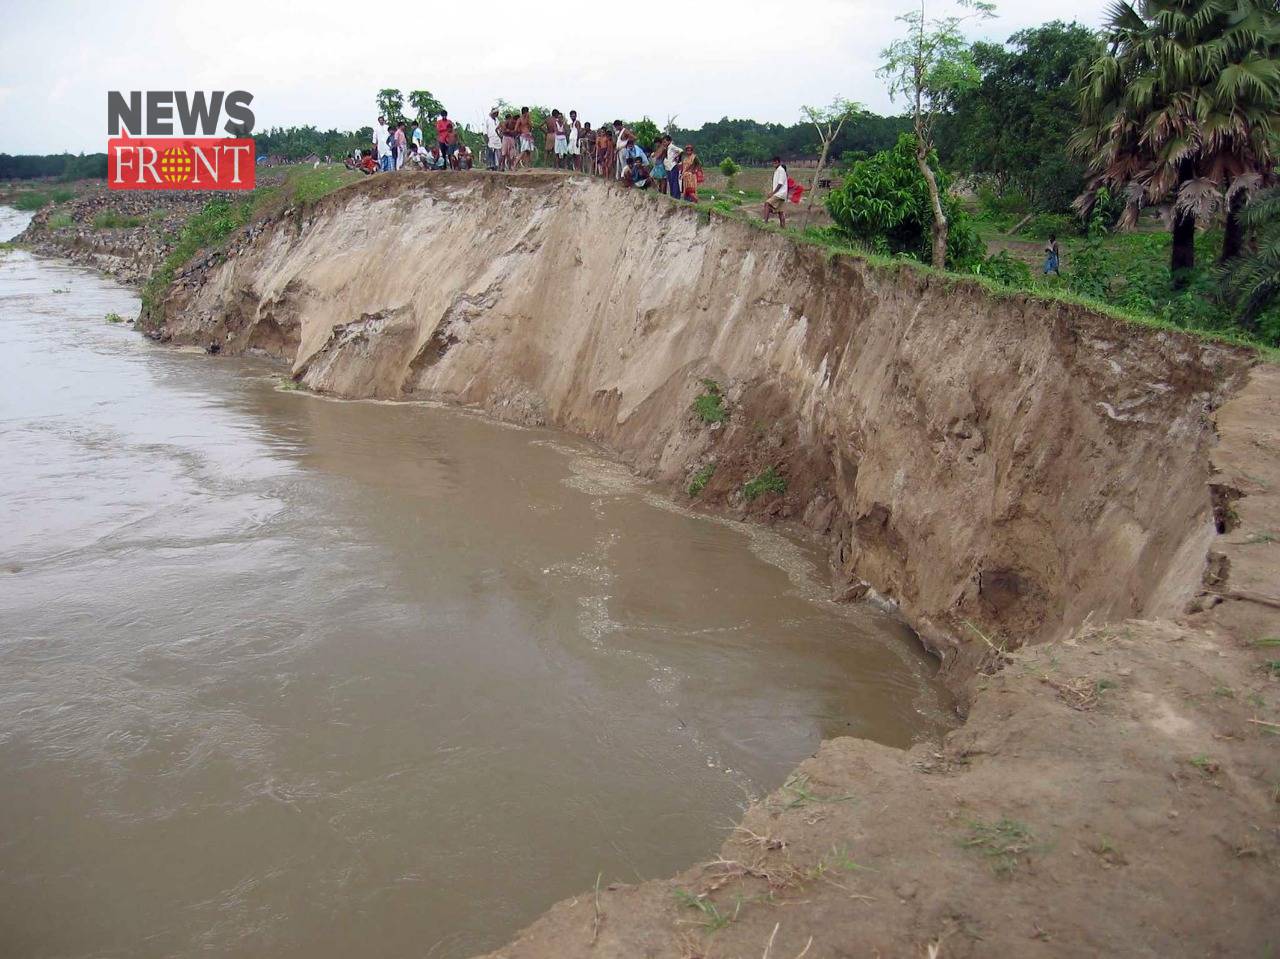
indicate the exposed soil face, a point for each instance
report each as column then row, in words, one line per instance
column 883, row 397
column 1097, row 500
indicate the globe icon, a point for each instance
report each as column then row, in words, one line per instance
column 175, row 165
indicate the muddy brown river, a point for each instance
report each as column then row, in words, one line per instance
column 284, row 676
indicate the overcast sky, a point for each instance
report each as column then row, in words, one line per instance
column 321, row 62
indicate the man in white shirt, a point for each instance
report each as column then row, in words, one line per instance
column 774, row 202
column 492, row 139
column 673, row 169
column 381, row 145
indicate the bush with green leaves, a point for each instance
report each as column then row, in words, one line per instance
column 884, row 201
column 701, row 478
column 1044, row 225
column 709, row 405
column 1003, row 268
column 768, row 481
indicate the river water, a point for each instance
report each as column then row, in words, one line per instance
column 283, row 676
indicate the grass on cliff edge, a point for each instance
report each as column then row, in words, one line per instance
column 1000, row 291
column 221, row 217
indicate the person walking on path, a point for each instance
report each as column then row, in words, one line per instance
column 1052, row 257
column 774, row 202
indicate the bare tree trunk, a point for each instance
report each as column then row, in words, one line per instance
column 1182, row 259
column 813, row 184
column 1233, row 232
column 939, row 218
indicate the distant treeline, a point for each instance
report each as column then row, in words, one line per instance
column 747, row 141
column 751, row 142
column 64, row 166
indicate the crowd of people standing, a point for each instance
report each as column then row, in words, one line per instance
column 609, row 151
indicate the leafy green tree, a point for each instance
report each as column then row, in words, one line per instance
column 426, row 107
column 1013, row 126
column 930, row 67
column 1181, row 111
column 391, row 104
column 886, row 202
column 828, row 122
column 646, row 132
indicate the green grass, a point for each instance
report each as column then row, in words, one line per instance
column 701, row 478
column 30, row 201
column 1272, row 666
column 712, row 917
column 709, row 405
column 1049, row 291
column 1206, row 765
column 768, row 481
column 110, row 220
column 114, row 318
column 217, row 220
column 1005, row 843
column 306, row 185
column 800, row 793
column 59, row 221
column 1267, row 642
column 62, row 194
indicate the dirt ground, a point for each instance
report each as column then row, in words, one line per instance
column 1117, row 794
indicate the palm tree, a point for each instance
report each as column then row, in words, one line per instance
column 1253, row 280
column 1179, row 112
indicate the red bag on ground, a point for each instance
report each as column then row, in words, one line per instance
column 794, row 190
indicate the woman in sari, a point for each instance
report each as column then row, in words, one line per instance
column 690, row 173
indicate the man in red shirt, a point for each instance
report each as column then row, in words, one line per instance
column 444, row 134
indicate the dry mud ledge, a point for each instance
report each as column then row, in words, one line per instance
column 1079, row 516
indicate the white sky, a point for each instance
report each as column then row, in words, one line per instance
column 321, row 62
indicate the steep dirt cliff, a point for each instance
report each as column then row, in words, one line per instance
column 994, row 465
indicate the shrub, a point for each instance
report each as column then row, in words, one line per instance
column 1006, row 269
column 30, row 201
column 701, row 478
column 710, row 404
column 1044, row 225
column 995, row 207
column 59, row 221
column 769, row 481
column 885, row 202
column 111, row 220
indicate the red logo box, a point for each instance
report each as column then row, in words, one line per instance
column 180, row 163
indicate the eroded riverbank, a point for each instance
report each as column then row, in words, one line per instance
column 1113, row 792
column 289, row 676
